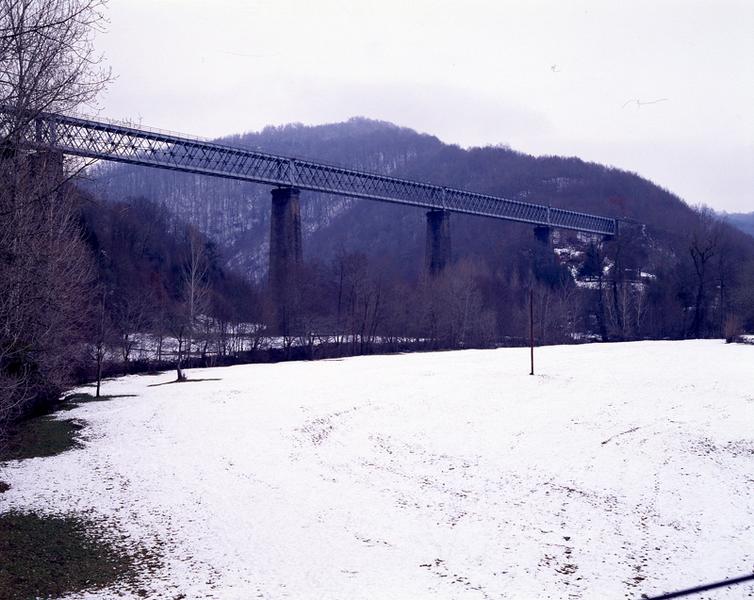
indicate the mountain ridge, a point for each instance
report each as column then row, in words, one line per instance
column 235, row 213
column 743, row 221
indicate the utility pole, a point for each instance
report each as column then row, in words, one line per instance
column 531, row 328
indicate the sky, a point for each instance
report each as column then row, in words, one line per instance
column 663, row 88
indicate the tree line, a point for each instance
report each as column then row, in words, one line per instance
column 47, row 63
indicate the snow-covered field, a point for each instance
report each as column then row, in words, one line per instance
column 617, row 470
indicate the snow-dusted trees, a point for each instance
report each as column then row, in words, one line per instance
column 47, row 62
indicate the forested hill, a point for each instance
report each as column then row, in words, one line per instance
column 236, row 214
column 680, row 272
column 744, row 221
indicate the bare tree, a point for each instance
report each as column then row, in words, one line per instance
column 743, row 300
column 452, row 311
column 129, row 311
column 195, row 293
column 47, row 56
column 703, row 246
column 47, row 62
column 103, row 330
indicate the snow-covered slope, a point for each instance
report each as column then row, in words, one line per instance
column 617, row 470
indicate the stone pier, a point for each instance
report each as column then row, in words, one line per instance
column 437, row 253
column 285, row 253
column 45, row 172
column 542, row 233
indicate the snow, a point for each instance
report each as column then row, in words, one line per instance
column 568, row 253
column 617, row 470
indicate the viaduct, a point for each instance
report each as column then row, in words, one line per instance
column 54, row 135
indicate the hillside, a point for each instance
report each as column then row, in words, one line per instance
column 744, row 221
column 652, row 287
column 619, row 470
column 236, row 214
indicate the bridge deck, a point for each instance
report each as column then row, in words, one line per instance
column 108, row 141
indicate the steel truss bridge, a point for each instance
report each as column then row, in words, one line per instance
column 97, row 139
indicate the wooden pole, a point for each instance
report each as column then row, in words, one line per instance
column 531, row 328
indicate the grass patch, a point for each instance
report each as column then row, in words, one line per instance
column 76, row 400
column 84, row 397
column 48, row 556
column 39, row 437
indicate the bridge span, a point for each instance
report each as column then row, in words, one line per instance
column 99, row 139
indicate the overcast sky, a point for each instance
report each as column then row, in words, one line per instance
column 664, row 88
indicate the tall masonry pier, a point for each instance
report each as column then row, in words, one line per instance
column 437, row 252
column 285, row 251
